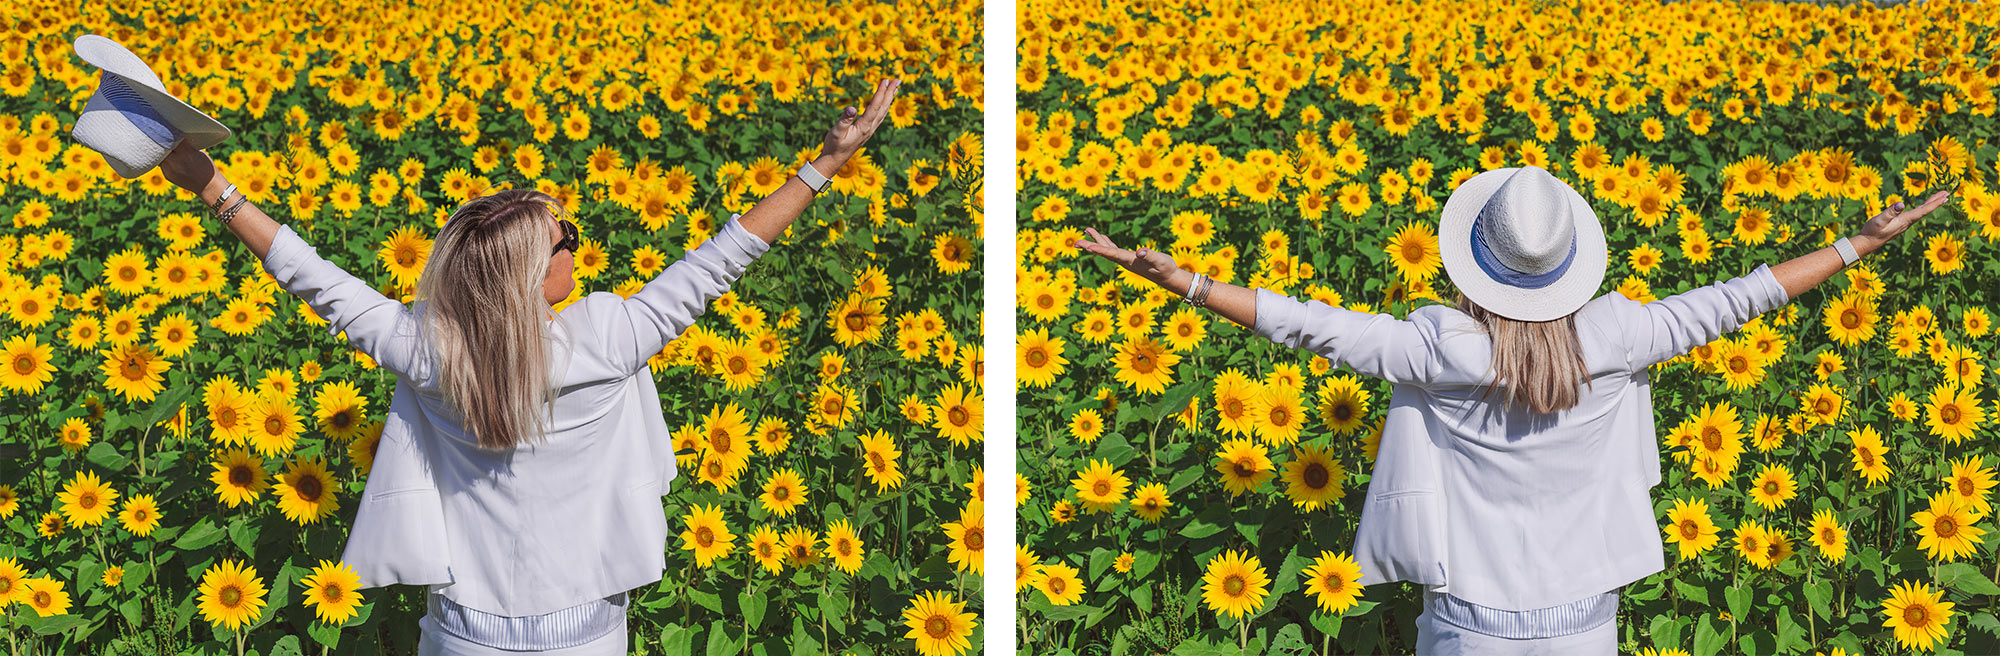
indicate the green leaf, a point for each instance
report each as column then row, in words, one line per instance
column 1691, row 592
column 1738, row 598
column 203, row 534
column 1209, row 522
column 287, row 646
column 1176, row 399
column 706, row 599
column 1707, row 641
column 1820, row 597
column 241, row 535
column 1327, row 623
column 676, row 639
column 753, row 608
column 719, row 643
column 1791, row 636
column 327, row 635
column 1985, row 622
column 106, row 456
column 835, row 607
column 1100, row 560
column 132, row 609
column 1114, row 450
column 168, row 403
column 1966, row 578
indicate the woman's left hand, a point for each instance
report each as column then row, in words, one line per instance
column 1149, row 264
column 853, row 129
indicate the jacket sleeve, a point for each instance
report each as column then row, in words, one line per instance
column 1662, row 329
column 638, row 327
column 1378, row 345
column 377, row 325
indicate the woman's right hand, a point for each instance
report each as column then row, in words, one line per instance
column 1149, row 264
column 1884, row 227
column 188, row 168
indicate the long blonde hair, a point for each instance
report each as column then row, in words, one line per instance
column 1538, row 363
column 483, row 318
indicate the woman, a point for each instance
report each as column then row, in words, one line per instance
column 526, row 529
column 1518, row 453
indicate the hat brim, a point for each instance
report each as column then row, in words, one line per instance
column 1576, row 286
column 201, row 130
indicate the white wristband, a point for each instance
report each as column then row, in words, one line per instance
column 812, row 177
column 1847, row 255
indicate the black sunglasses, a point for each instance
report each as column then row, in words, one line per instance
column 570, row 241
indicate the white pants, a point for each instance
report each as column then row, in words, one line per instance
column 437, row 642
column 1438, row 637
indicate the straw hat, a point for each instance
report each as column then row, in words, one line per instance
column 132, row 120
column 1522, row 244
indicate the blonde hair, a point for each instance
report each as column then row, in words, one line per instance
column 483, row 317
column 1538, row 363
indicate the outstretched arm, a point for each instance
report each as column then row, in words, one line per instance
column 1803, row 272
column 1235, row 303
column 769, row 217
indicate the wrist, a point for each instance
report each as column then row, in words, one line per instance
column 1865, row 244
column 209, row 192
column 1179, row 281
column 829, row 164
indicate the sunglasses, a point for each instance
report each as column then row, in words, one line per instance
column 570, row 240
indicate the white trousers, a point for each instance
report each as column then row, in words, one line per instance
column 438, row 642
column 1438, row 637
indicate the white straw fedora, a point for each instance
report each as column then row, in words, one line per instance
column 132, row 120
column 1522, row 244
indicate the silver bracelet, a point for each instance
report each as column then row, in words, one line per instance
column 219, row 200
column 1208, row 285
column 811, row 183
column 230, row 214
column 1193, row 286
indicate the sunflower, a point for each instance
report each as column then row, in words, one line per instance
column 1901, row 407
column 881, row 453
column 1773, row 486
column 1280, row 415
column 405, row 253
column 1343, row 404
column 1145, row 365
column 51, row 524
column 725, row 431
column 1754, row 542
column 1027, row 572
column 1850, row 319
column 765, row 549
column 46, row 596
column 1096, row 326
column 1970, row 481
column 1740, row 364
column 1822, row 404
column 1236, row 398
column 1086, row 425
column 141, row 515
column 799, row 544
column 306, row 492
column 231, row 594
column 1945, row 254
column 1313, row 478
column 1334, row 582
column 959, row 415
column 1828, row 536
column 1234, row 584
column 857, row 319
column 1718, row 433
column 937, row 624
column 1100, row 486
column 1689, row 526
column 1947, row 528
column 784, row 492
column 1245, row 465
column 1414, row 252
column 340, row 409
column 968, row 538
column 706, row 534
column 11, row 577
column 1869, row 454
column 86, row 501
column 133, row 370
column 952, row 253
column 1150, row 502
column 1040, row 358
column 239, row 477
column 844, row 545
column 1953, row 413
column 274, row 425
column 1917, row 614
column 24, row 364
column 333, row 592
column 1961, row 366
column 1060, row 583
column 10, row 502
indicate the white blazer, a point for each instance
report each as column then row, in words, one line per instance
column 1500, row 507
column 540, row 527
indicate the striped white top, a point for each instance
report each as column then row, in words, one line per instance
column 568, row 627
column 1574, row 617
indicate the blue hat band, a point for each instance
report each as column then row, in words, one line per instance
column 128, row 102
column 1499, row 271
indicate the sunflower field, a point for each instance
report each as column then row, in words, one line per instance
column 183, row 447
column 1188, row 487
